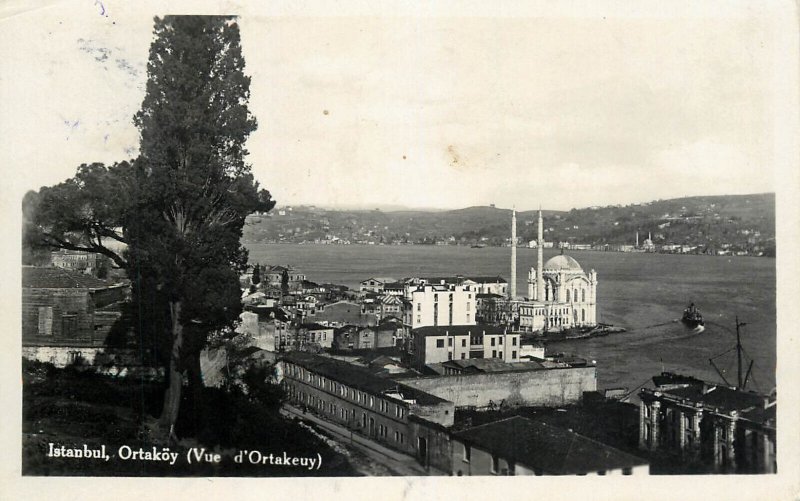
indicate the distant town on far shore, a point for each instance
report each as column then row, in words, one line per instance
column 741, row 225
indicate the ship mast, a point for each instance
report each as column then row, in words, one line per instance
column 741, row 382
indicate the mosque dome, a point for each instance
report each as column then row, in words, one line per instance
column 562, row 262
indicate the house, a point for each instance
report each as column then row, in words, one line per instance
column 728, row 429
column 488, row 285
column 521, row 446
column 390, row 306
column 273, row 276
column 376, row 284
column 459, row 342
column 270, row 327
column 67, row 315
column 342, row 313
column 317, row 334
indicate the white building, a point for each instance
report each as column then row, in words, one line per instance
column 560, row 294
column 430, row 345
column 441, row 304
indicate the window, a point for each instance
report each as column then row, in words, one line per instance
column 69, row 325
column 436, row 297
column 45, row 320
column 513, row 341
column 463, row 356
column 492, row 341
column 494, row 353
column 467, row 317
column 449, row 355
column 440, row 343
column 449, row 341
column 514, row 354
column 627, row 471
column 371, row 402
column 500, row 340
column 463, row 343
column 467, row 306
column 397, row 436
column 467, row 453
column 450, row 297
column 419, row 306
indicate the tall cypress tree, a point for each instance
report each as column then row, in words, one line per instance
column 195, row 189
column 180, row 206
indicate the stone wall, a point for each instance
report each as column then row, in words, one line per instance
column 541, row 387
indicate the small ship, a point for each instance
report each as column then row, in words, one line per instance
column 692, row 317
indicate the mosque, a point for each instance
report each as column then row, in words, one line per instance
column 560, row 294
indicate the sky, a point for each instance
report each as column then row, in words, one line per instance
column 381, row 108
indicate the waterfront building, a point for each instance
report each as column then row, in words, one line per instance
column 273, row 276
column 377, row 284
column 560, row 294
column 728, row 429
column 478, row 284
column 521, row 446
column 436, row 344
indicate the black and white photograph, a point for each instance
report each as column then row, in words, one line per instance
column 349, row 240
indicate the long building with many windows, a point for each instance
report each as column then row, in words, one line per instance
column 394, row 415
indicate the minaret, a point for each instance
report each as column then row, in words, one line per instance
column 637, row 239
column 513, row 289
column 540, row 260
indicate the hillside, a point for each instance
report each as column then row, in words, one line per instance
column 740, row 222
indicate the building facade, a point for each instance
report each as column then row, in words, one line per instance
column 560, row 294
column 67, row 315
column 441, row 305
column 394, row 415
column 729, row 430
column 439, row 344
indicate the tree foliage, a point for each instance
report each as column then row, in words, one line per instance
column 181, row 205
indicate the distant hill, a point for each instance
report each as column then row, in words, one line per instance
column 730, row 222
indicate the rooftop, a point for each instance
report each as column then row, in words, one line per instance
column 719, row 397
column 458, row 330
column 751, row 405
column 35, row 277
column 490, row 365
column 562, row 262
column 356, row 377
column 552, row 450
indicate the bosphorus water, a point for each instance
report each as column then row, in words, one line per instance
column 644, row 293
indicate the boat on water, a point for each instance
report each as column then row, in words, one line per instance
column 478, row 246
column 692, row 317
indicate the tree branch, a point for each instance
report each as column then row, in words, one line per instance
column 60, row 243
